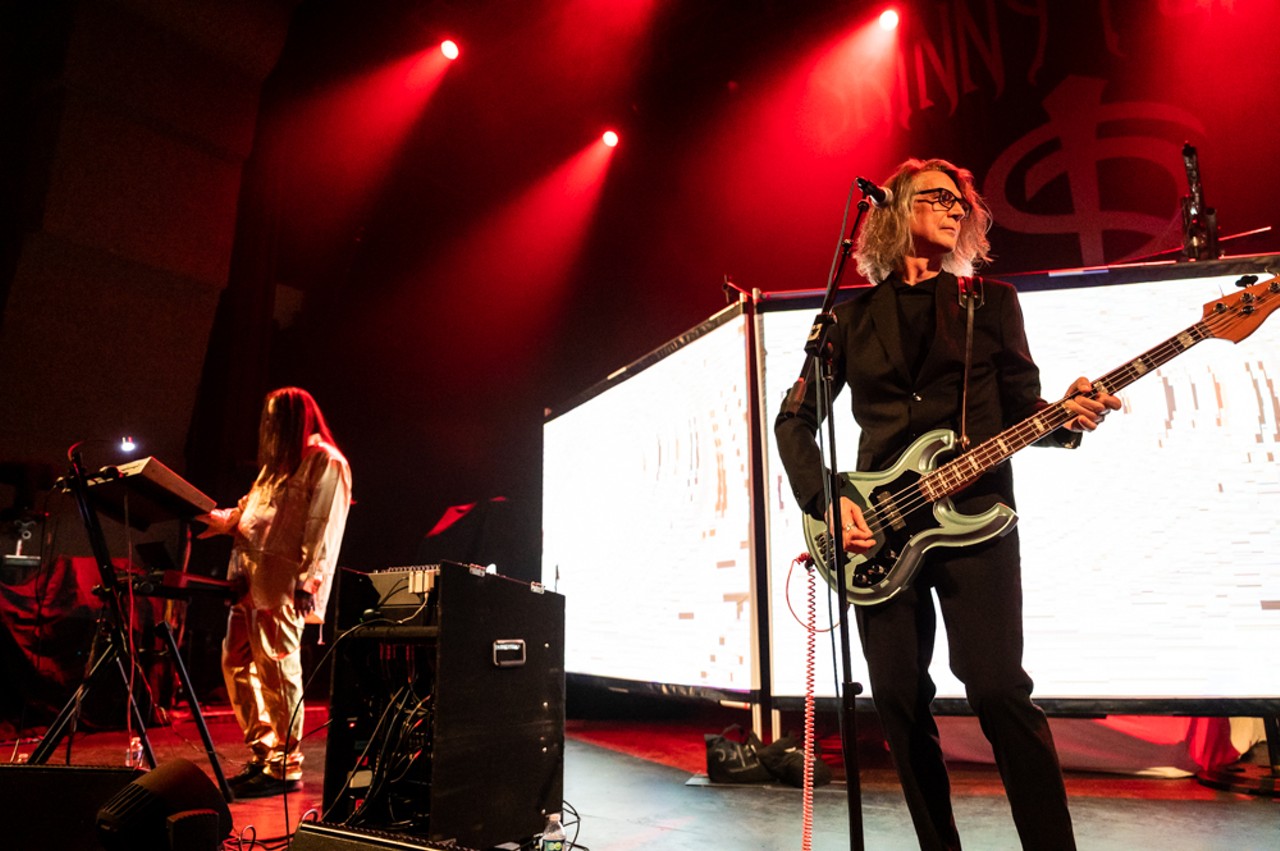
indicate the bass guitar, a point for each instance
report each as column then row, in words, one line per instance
column 908, row 506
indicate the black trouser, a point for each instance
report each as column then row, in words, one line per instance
column 980, row 595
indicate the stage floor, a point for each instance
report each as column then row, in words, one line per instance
column 640, row 785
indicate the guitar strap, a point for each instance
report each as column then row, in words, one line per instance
column 970, row 290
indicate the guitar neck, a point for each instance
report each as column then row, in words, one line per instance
column 963, row 471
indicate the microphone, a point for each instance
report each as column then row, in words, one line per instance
column 880, row 196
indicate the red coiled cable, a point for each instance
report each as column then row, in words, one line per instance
column 811, row 631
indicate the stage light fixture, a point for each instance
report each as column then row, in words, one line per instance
column 127, row 444
column 889, row 19
column 449, row 48
column 610, row 138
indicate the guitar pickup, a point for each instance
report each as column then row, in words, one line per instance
column 889, row 511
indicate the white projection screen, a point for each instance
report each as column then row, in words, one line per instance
column 1151, row 555
column 646, row 518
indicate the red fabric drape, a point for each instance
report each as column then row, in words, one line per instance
column 50, row 626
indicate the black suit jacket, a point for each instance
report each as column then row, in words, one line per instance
column 893, row 409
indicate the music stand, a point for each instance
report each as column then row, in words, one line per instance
column 117, row 648
column 163, row 495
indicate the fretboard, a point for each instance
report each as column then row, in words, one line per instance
column 958, row 474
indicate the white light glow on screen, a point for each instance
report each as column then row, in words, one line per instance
column 647, row 512
column 1179, row 496
column 647, row 519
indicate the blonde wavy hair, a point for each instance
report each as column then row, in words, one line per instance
column 885, row 238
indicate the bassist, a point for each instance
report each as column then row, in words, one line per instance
column 904, row 349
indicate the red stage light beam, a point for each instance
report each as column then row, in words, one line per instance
column 520, row 257
column 344, row 141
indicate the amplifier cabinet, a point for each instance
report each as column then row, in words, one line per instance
column 56, row 806
column 452, row 728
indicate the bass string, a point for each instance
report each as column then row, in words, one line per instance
column 988, row 454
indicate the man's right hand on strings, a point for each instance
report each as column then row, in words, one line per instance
column 857, row 537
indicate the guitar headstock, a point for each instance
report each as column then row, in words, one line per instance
column 1234, row 317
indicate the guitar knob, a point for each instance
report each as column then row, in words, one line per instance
column 1247, row 280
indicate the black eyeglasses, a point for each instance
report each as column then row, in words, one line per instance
column 944, row 200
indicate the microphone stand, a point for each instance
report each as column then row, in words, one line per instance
column 818, row 351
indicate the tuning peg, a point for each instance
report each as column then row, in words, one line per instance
column 1247, row 280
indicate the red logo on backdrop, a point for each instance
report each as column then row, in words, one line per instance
column 1081, row 133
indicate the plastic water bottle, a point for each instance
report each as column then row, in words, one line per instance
column 133, row 756
column 552, row 834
